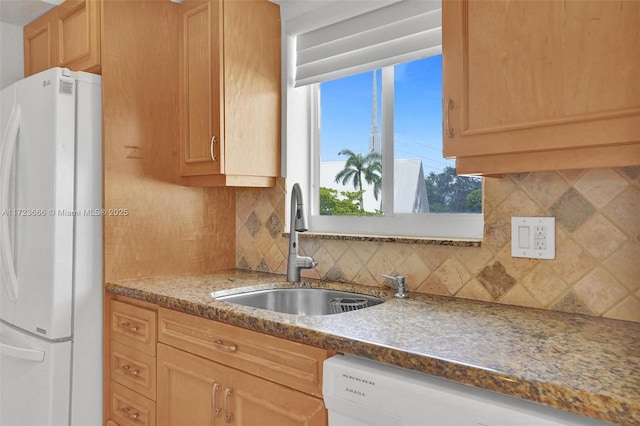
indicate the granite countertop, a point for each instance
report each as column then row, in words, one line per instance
column 581, row 364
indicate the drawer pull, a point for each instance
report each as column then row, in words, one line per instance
column 130, row 327
column 229, row 347
column 128, row 371
column 216, row 389
column 228, row 415
column 129, row 413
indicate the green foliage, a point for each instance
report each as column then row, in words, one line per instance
column 474, row 201
column 331, row 205
column 449, row 193
column 358, row 168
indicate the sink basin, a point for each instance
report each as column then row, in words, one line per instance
column 303, row 301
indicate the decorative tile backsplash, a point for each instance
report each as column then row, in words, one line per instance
column 597, row 265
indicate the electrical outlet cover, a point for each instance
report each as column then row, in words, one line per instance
column 533, row 237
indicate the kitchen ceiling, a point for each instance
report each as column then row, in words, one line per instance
column 21, row 12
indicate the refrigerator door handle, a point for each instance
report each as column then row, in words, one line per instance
column 21, row 353
column 9, row 142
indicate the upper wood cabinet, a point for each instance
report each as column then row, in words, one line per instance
column 541, row 85
column 67, row 36
column 38, row 45
column 229, row 92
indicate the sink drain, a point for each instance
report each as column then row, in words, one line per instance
column 343, row 304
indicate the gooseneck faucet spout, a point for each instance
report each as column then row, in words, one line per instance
column 298, row 224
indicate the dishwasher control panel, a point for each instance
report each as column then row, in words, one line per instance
column 363, row 392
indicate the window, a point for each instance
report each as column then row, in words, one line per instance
column 374, row 130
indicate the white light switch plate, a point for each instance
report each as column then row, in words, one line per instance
column 533, row 237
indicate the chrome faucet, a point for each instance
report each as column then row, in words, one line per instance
column 298, row 224
column 401, row 284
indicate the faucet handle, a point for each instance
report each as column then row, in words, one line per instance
column 400, row 283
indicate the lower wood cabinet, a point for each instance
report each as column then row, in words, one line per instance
column 195, row 391
column 169, row 368
column 128, row 408
column 130, row 362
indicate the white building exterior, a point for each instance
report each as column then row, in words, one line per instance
column 409, row 189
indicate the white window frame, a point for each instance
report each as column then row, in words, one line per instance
column 300, row 162
column 418, row 225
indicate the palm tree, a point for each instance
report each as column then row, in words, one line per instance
column 357, row 168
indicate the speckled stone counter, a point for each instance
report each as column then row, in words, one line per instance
column 582, row 364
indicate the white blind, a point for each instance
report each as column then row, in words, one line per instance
column 401, row 32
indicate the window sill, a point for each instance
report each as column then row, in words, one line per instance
column 388, row 239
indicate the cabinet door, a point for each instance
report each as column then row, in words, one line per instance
column 190, row 389
column 77, row 29
column 38, row 44
column 541, row 85
column 200, row 103
column 252, row 88
column 250, row 400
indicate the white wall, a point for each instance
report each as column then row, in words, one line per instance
column 11, row 56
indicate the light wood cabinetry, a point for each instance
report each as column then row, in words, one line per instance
column 38, row 41
column 130, row 363
column 190, row 390
column 128, row 408
column 229, row 92
column 67, row 36
column 256, row 401
column 205, row 372
column 541, row 85
column 292, row 364
column 196, row 391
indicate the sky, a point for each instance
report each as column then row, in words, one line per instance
column 346, row 113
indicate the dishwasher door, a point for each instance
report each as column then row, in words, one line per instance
column 361, row 392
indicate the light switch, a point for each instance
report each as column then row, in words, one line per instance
column 533, row 237
column 523, row 237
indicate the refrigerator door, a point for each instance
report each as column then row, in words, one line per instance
column 9, row 121
column 35, row 384
column 44, row 204
column 86, row 405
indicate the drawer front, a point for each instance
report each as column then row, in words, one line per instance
column 127, row 408
column 133, row 369
column 289, row 363
column 134, row 326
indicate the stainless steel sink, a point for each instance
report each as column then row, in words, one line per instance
column 303, row 301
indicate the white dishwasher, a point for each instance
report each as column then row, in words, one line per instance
column 361, row 392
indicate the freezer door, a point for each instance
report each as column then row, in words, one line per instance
column 44, row 204
column 35, row 384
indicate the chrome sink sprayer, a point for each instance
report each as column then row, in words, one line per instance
column 298, row 224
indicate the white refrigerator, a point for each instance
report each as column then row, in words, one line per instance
column 51, row 250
